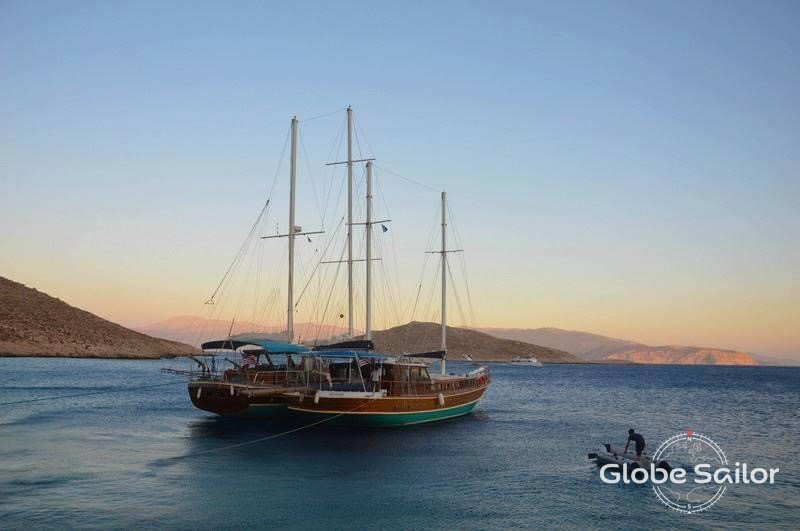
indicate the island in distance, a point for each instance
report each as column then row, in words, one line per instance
column 594, row 347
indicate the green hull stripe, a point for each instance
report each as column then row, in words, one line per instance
column 395, row 419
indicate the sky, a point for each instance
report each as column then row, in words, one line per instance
column 625, row 168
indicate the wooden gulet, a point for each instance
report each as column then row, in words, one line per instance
column 344, row 383
column 395, row 391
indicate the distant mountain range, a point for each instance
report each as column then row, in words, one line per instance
column 409, row 338
column 551, row 345
column 33, row 323
column 595, row 347
column 195, row 330
column 424, row 337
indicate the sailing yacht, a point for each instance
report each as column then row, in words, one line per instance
column 347, row 382
column 380, row 390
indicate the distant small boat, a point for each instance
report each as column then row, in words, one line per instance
column 530, row 361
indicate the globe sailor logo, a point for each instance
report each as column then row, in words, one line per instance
column 697, row 449
column 689, row 472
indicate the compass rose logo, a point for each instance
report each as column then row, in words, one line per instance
column 690, row 449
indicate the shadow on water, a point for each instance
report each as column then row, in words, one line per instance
column 241, row 438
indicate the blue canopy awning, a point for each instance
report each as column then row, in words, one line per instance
column 269, row 345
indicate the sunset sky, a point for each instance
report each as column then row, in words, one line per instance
column 623, row 168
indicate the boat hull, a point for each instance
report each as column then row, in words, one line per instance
column 386, row 411
column 217, row 398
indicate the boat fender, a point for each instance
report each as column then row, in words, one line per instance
column 441, row 399
column 231, row 390
column 199, row 392
column 316, row 397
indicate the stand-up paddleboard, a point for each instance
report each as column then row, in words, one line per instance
column 609, row 454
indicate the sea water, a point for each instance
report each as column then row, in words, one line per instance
column 134, row 454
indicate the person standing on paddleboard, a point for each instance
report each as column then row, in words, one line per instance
column 638, row 441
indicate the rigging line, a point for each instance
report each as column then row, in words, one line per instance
column 324, row 252
column 241, row 249
column 339, row 195
column 311, row 176
column 257, row 287
column 462, row 262
column 428, row 245
column 273, row 436
column 434, row 289
column 393, row 302
column 457, row 298
column 134, row 388
column 419, row 294
column 363, row 134
column 243, row 291
column 419, row 286
column 333, row 286
column 382, row 195
column 335, row 147
column 413, row 181
column 358, row 143
column 263, row 210
column 280, row 162
column 277, row 272
column 322, row 115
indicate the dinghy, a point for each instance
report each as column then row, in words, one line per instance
column 608, row 454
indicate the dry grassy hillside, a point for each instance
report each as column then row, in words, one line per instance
column 33, row 323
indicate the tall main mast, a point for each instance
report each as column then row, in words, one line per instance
column 350, row 221
column 444, row 280
column 291, row 233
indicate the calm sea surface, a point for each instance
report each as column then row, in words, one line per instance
column 113, row 460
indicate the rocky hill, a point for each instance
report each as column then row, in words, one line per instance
column 33, row 323
column 595, row 347
column 422, row 337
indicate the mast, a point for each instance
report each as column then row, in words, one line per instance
column 350, row 221
column 291, row 234
column 444, row 280
column 368, row 227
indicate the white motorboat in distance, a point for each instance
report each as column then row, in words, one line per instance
column 530, row 361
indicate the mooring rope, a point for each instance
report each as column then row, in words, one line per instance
column 99, row 392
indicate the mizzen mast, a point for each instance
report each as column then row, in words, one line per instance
column 368, row 228
column 350, row 221
column 444, row 252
